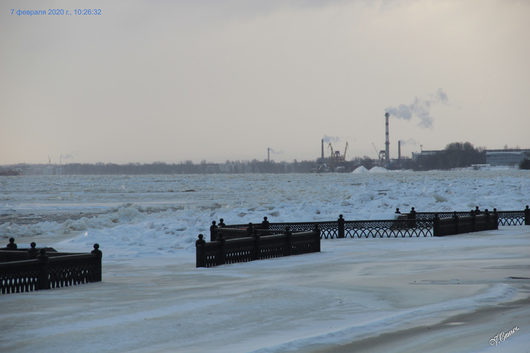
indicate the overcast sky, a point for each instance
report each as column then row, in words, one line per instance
column 224, row 80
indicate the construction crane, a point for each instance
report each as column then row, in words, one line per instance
column 331, row 148
column 335, row 162
column 335, row 155
column 381, row 154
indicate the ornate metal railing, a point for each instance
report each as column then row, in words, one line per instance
column 327, row 229
column 357, row 229
column 254, row 247
column 412, row 224
column 513, row 218
column 465, row 224
column 54, row 270
column 389, row 228
column 505, row 218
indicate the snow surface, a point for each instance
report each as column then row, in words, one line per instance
column 378, row 170
column 360, row 170
column 153, row 299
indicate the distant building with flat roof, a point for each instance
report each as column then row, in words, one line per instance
column 503, row 157
column 506, row 157
column 424, row 153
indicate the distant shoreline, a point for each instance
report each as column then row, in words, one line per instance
column 253, row 167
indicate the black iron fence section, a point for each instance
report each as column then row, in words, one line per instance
column 256, row 247
column 505, row 218
column 412, row 224
column 234, row 233
column 465, row 224
column 327, row 229
column 21, row 270
column 514, row 218
column 389, row 228
column 392, row 228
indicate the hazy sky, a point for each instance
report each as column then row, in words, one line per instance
column 216, row 80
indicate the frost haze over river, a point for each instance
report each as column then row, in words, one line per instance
column 152, row 299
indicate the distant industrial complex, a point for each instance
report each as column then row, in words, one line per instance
column 331, row 159
column 337, row 162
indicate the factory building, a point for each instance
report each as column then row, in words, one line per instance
column 506, row 157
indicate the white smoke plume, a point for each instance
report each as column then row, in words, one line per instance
column 333, row 139
column 420, row 108
column 410, row 142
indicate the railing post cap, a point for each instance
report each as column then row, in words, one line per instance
column 12, row 245
column 200, row 241
column 96, row 250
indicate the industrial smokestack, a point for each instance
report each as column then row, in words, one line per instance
column 387, row 141
column 399, row 150
column 322, row 150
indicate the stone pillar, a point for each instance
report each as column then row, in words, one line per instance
column 43, row 280
column 340, row 224
column 288, row 242
column 220, row 256
column 98, row 254
column 200, row 257
column 213, row 231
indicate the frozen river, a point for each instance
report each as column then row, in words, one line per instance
column 450, row 294
column 149, row 212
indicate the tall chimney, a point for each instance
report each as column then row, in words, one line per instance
column 387, row 142
column 322, row 150
column 399, row 150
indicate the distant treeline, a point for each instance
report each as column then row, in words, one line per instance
column 229, row 167
column 455, row 155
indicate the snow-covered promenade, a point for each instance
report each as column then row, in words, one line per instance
column 449, row 294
